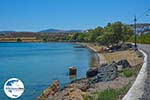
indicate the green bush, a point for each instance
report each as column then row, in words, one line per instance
column 143, row 38
column 86, row 97
column 128, row 72
column 109, row 94
column 19, row 40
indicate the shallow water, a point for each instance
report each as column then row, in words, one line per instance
column 39, row 64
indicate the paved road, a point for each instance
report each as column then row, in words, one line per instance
column 146, row 95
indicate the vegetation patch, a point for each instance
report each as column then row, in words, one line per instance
column 143, row 38
column 115, row 94
column 130, row 71
column 109, row 94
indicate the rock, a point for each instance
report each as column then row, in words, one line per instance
column 129, row 45
column 119, row 67
column 92, row 72
column 81, row 84
column 102, row 65
column 120, row 47
column 105, row 73
column 110, row 51
column 125, row 46
column 101, row 50
column 72, row 93
column 50, row 91
column 123, row 64
column 80, row 46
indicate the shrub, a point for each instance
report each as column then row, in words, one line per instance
column 109, row 94
column 128, row 72
column 19, row 40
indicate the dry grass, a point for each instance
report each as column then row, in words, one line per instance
column 130, row 55
column 24, row 39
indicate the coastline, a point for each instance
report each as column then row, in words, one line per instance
column 80, row 88
column 101, row 60
column 101, row 57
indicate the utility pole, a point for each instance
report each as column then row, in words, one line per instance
column 135, row 38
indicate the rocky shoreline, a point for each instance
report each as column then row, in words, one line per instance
column 98, row 78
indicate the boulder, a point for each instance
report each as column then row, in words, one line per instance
column 92, row 72
column 120, row 68
column 72, row 93
column 129, row 45
column 125, row 46
column 105, row 73
column 81, row 84
column 123, row 64
column 50, row 91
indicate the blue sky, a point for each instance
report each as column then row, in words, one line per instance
column 36, row 15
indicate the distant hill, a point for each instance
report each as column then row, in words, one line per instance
column 57, row 31
column 45, row 31
column 3, row 32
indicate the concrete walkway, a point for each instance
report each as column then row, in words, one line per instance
column 140, row 90
column 146, row 94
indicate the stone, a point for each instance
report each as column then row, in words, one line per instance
column 125, row 46
column 105, row 73
column 119, row 67
column 92, row 72
column 123, row 64
column 129, row 45
column 81, row 84
column 73, row 93
column 50, row 91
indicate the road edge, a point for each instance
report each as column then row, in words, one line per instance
column 137, row 89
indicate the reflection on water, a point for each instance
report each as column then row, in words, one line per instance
column 72, row 76
column 94, row 61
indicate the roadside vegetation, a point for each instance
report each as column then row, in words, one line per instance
column 143, row 38
column 116, row 94
column 129, row 72
column 109, row 94
column 113, row 34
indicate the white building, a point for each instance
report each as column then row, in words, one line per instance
column 142, row 28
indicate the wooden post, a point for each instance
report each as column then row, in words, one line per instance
column 72, row 70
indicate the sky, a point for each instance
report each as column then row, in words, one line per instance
column 36, row 15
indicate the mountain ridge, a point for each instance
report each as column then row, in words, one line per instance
column 58, row 30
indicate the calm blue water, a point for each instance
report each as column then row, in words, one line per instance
column 39, row 64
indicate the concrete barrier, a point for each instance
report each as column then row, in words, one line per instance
column 137, row 89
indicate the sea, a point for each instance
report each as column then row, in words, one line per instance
column 38, row 65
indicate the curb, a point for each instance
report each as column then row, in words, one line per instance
column 137, row 89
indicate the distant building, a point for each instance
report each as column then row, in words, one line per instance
column 142, row 28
